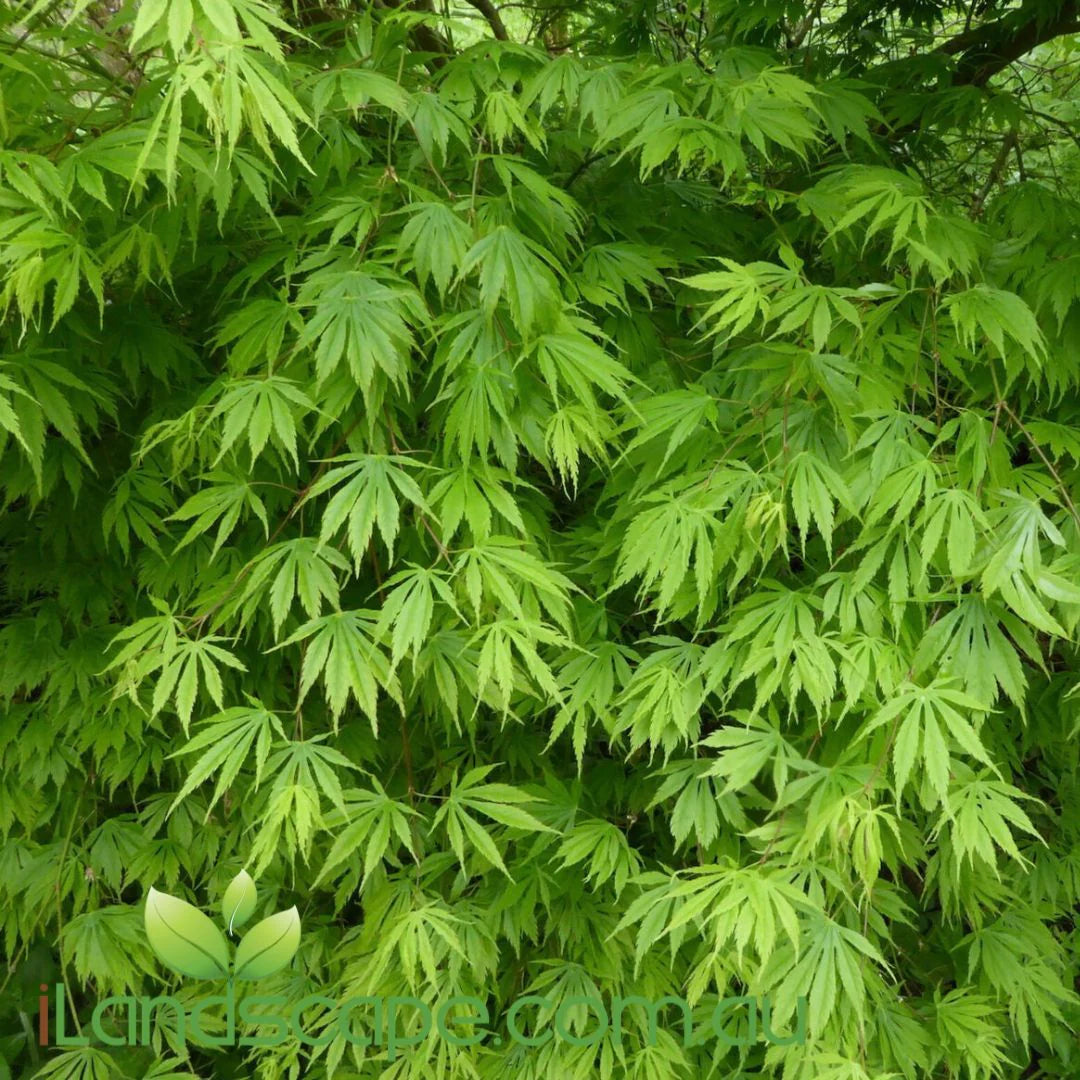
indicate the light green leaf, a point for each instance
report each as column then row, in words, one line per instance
column 184, row 938
column 238, row 903
column 268, row 946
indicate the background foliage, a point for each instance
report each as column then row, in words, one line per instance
column 577, row 498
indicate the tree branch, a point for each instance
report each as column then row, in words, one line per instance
column 491, row 13
column 806, row 24
column 995, row 172
column 992, row 47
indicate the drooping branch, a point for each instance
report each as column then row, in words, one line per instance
column 992, row 47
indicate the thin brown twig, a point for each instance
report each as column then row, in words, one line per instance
column 1046, row 461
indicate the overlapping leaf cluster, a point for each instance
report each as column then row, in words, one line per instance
column 588, row 516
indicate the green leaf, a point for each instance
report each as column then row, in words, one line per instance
column 184, row 938
column 238, row 903
column 268, row 946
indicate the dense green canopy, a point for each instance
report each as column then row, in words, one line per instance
column 580, row 499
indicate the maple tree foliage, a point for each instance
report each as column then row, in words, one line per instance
column 579, row 499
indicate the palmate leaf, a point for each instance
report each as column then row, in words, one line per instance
column 157, row 644
column 878, row 201
column 438, row 239
column 1034, row 985
column 256, row 16
column 221, row 502
column 374, row 820
column 503, row 573
column 562, row 79
column 478, row 417
column 358, row 87
column 499, row 802
column 815, row 488
column 349, row 217
column 957, row 516
column 782, row 641
column 982, row 815
column 605, row 849
column 746, row 750
column 608, row 272
column 923, row 719
column 746, row 293
column 360, row 323
column 571, row 359
column 193, row 662
column 255, row 333
column 517, row 270
column 700, row 806
column 473, row 495
column 770, row 106
column 964, row 1023
column 831, row 964
column 737, row 906
column 168, row 1068
column 85, row 1063
column 225, row 744
column 342, row 649
column 107, row 945
column 410, row 606
column 416, row 943
column 270, row 107
column 45, row 391
column 892, row 198
column 590, row 682
column 68, row 268
column 9, row 421
column 372, row 486
column 306, row 773
column 265, row 410
column 680, row 415
column 994, row 314
column 557, row 214
column 1022, row 525
column 135, row 511
column 678, row 537
column 661, row 704
column 435, row 120
column 815, row 311
column 510, row 659
column 302, row 569
column 983, row 645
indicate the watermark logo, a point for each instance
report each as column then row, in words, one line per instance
column 192, row 944
column 189, row 942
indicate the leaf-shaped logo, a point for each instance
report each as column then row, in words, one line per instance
column 238, row 903
column 268, row 946
column 184, row 938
